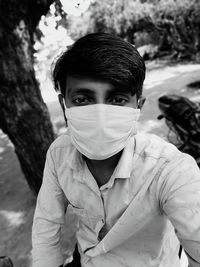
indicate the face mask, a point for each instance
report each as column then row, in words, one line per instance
column 100, row 131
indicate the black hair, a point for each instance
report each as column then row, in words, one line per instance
column 103, row 57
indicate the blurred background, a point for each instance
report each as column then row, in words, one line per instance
column 33, row 34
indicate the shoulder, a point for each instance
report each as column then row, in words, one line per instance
column 150, row 145
column 61, row 142
column 158, row 156
column 62, row 149
column 173, row 166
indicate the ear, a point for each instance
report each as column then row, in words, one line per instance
column 141, row 101
column 61, row 99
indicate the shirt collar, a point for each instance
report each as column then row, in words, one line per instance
column 122, row 170
column 125, row 165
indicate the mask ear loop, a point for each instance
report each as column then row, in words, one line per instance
column 61, row 99
column 59, row 92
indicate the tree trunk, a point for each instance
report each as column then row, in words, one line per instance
column 23, row 114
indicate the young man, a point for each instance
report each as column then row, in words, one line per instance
column 135, row 194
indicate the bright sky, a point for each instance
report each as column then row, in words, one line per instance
column 57, row 38
column 75, row 7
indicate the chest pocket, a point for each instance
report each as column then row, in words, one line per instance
column 85, row 217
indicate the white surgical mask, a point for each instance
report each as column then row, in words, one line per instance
column 100, row 131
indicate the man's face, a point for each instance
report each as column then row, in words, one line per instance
column 85, row 91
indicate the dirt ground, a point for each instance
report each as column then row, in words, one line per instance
column 17, row 202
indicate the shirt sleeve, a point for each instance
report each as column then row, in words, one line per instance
column 48, row 220
column 180, row 201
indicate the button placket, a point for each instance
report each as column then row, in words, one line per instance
column 102, row 222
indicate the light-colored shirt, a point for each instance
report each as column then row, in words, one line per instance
column 152, row 197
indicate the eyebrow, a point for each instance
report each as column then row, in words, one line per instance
column 90, row 92
column 80, row 91
column 117, row 91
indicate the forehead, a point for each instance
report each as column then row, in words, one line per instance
column 75, row 84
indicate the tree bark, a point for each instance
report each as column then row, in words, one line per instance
column 23, row 114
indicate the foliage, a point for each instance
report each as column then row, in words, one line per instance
column 179, row 25
column 173, row 25
column 119, row 17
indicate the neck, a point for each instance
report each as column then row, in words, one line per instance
column 102, row 169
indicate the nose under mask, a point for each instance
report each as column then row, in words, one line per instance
column 100, row 131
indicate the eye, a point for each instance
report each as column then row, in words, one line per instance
column 118, row 100
column 80, row 101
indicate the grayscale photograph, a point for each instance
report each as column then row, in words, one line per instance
column 100, row 133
